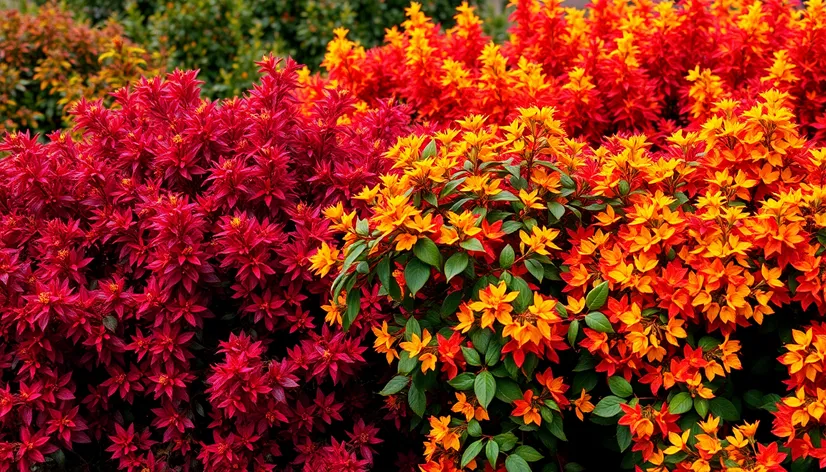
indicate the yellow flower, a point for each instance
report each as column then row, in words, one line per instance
column 324, row 259
column 416, row 344
column 539, row 240
column 494, row 303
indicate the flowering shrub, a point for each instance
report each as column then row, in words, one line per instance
column 547, row 297
column 49, row 60
column 157, row 301
column 624, row 66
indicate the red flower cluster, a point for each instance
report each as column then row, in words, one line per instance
column 131, row 248
column 644, row 66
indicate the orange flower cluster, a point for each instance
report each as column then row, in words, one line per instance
column 641, row 66
column 640, row 272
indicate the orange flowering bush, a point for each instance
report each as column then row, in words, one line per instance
column 618, row 66
column 546, row 297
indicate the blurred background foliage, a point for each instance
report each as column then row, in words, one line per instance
column 223, row 38
column 54, row 52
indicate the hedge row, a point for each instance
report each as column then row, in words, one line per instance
column 596, row 245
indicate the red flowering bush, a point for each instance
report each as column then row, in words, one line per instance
column 615, row 67
column 158, row 310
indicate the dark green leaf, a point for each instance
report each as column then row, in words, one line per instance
column 723, row 408
column 680, row 403
column 556, row 209
column 474, row 428
column 492, row 452
column 620, row 387
column 506, row 257
column 463, row 381
column 111, row 323
column 455, row 265
column 516, row 463
column 353, row 307
column 528, row 453
column 471, row 356
column 394, row 385
column 471, row 452
column 506, row 441
column 608, row 406
column 507, row 390
column 536, row 269
column 598, row 322
column 472, row 245
column 484, row 386
column 555, row 427
column 427, row 251
column 416, row 399
column 573, row 332
column 623, row 437
column 597, row 297
column 429, row 150
column 701, row 406
column 416, row 274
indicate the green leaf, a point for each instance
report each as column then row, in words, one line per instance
column 507, row 390
column 557, row 209
column 471, row 356
column 723, row 408
column 597, row 297
column 620, row 387
column 680, row 403
column 555, row 427
column 598, row 322
column 427, row 251
column 573, row 332
column 416, row 399
column 701, row 406
column 493, row 353
column 111, row 323
column 525, row 297
column 353, row 307
column 506, row 257
column 528, row 453
column 412, row 327
column 406, row 363
column 481, row 338
column 623, row 437
column 485, row 388
column 510, row 227
column 450, row 187
column 492, row 452
column 455, row 265
column 516, row 463
column 472, row 245
column 463, row 381
column 536, row 269
column 506, row 441
column 416, row 274
column 474, row 428
column 394, row 385
column 471, row 452
column 429, row 150
column 608, row 406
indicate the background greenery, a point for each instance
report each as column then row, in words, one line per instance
column 223, row 38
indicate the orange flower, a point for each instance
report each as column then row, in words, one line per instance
column 583, row 405
column 527, row 408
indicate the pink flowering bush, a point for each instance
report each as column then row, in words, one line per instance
column 157, row 310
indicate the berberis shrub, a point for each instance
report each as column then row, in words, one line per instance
column 155, row 287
